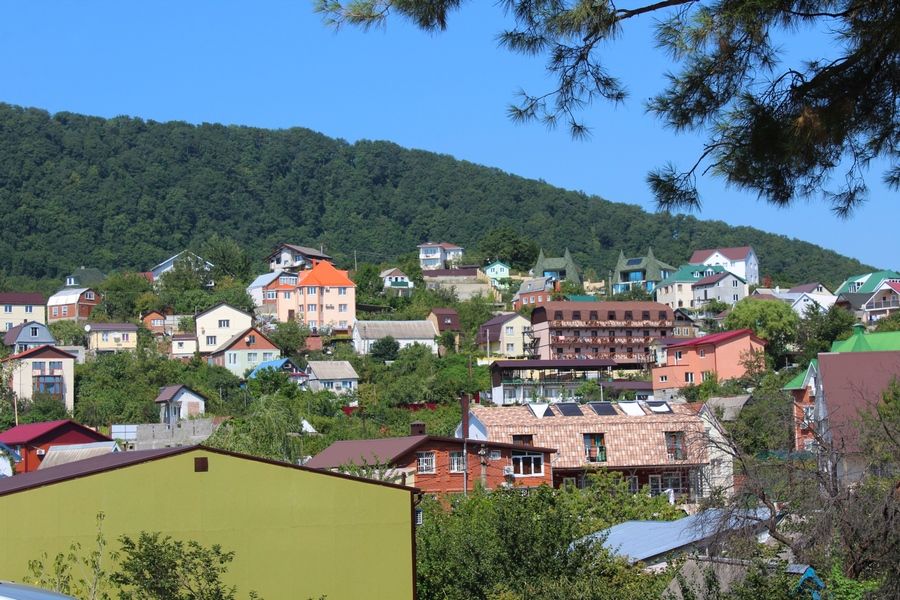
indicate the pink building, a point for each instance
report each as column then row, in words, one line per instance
column 695, row 360
column 323, row 297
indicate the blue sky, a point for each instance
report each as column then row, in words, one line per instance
column 274, row 64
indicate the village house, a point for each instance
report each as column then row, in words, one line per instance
column 686, row 325
column 643, row 273
column 28, row 335
column 179, row 402
column 281, row 365
column 442, row 465
column 21, row 307
column 507, row 335
column 883, row 302
column 336, row 376
column 73, row 304
column 561, row 268
column 741, row 261
column 441, row 255
column 620, row 331
column 396, row 282
column 184, row 346
column 293, row 258
column 661, row 446
column 723, row 287
column 406, row 333
column 326, row 299
column 294, row 530
column 802, row 389
column 32, row 441
column 691, row 362
column 244, row 352
column 155, row 322
column 446, row 320
column 167, row 265
column 677, row 291
column 45, row 370
column 219, row 324
column 497, row 272
column 259, row 288
column 535, row 292
column 111, row 337
column 866, row 283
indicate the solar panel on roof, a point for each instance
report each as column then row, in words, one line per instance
column 633, row 261
column 604, row 409
column 569, row 409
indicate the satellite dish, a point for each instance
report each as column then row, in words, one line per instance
column 87, row 328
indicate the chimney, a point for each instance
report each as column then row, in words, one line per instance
column 464, row 409
column 417, row 428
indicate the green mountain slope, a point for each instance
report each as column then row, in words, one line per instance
column 126, row 193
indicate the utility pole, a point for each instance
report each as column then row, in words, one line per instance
column 355, row 267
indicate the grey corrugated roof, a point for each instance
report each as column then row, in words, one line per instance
column 113, row 327
column 332, row 369
column 61, row 455
column 730, row 407
column 399, row 330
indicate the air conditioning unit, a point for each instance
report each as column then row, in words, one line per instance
column 40, row 452
column 508, row 471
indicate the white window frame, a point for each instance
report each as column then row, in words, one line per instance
column 689, row 377
column 210, row 340
column 520, row 457
column 29, row 308
column 457, row 462
column 425, row 463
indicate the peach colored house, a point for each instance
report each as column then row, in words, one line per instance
column 695, row 360
column 325, row 297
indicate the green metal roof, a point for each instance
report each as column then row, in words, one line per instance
column 868, row 342
column 686, row 273
column 871, row 283
column 581, row 298
column 797, row 382
column 652, row 267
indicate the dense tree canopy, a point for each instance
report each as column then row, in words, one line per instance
column 776, row 124
column 124, row 194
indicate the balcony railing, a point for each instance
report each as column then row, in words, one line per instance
column 677, row 455
column 632, row 357
column 882, row 304
column 603, row 341
column 595, row 453
column 610, row 324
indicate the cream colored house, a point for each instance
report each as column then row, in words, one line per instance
column 20, row 307
column 218, row 325
column 111, row 337
column 42, row 370
column 183, row 345
column 507, row 335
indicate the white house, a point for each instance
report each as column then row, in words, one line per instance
column 336, row 376
column 407, row 333
column 496, row 271
column 169, row 264
column 257, row 287
column 219, row 324
column 290, row 257
column 439, row 255
column 741, row 261
column 178, row 402
column 396, row 281
column 184, row 345
column 723, row 287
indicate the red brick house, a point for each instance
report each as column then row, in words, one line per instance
column 33, row 440
column 73, row 304
column 803, row 389
column 440, row 465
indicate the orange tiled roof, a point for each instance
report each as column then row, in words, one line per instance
column 324, row 273
column 631, row 441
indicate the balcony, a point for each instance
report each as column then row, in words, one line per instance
column 677, row 455
column 610, row 324
column 883, row 304
column 622, row 357
column 595, row 454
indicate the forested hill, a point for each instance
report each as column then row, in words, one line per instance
column 125, row 193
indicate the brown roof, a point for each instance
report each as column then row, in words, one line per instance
column 118, row 460
column 387, row 450
column 234, row 340
column 304, row 250
column 711, row 279
column 805, row 288
column 21, row 298
column 461, row 272
column 631, row 441
column 602, row 309
column 113, row 326
column 443, row 316
column 184, row 336
column 737, row 253
column 45, row 350
column 853, row 383
column 491, row 329
column 168, row 392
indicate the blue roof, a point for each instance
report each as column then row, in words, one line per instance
column 269, row 364
column 641, row 540
column 264, row 279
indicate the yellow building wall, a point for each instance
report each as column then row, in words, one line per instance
column 295, row 534
column 97, row 344
column 19, row 315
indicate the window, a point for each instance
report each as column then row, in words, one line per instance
column 628, row 333
column 37, row 366
column 224, row 323
column 457, row 462
column 632, row 484
column 420, row 516
column 675, row 445
column 313, row 323
column 663, row 378
column 611, row 315
column 612, row 333
column 702, row 353
column 271, row 295
column 157, row 322
column 29, row 309
column 527, row 463
column 678, row 355
column 539, row 299
column 210, row 340
column 734, row 283
column 494, row 455
column 734, row 297
column 510, row 348
column 251, row 339
column 65, row 310
column 592, row 316
column 705, row 375
column 809, row 413
column 55, row 365
column 180, row 345
column 342, row 324
column 558, row 315
column 662, row 315
column 34, row 331
column 232, row 358
column 628, row 315
column 576, row 315
column 342, row 291
column 645, row 315
column 7, row 308
column 646, row 333
column 328, row 385
column 509, row 330
column 310, row 308
column 251, row 357
column 126, row 337
column 49, row 384
column 287, row 295
column 689, row 377
column 526, row 439
column 89, row 295
column 342, row 308
column 425, row 462
column 104, row 336
column 679, row 287
column 55, row 311
column 595, row 447
column 311, row 290
column 267, row 356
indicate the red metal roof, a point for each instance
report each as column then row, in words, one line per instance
column 738, row 253
column 715, row 339
column 24, row 434
column 21, row 298
column 710, row 279
column 40, row 350
column 894, row 286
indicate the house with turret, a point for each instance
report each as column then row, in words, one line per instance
column 561, row 268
